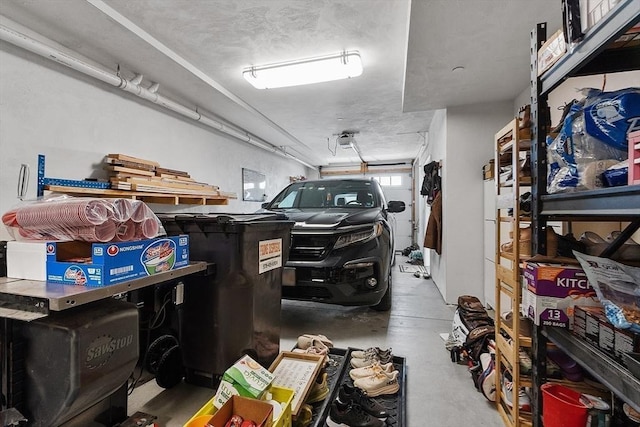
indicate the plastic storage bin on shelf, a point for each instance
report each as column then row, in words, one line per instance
column 237, row 310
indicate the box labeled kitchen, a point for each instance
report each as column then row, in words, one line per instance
column 101, row 264
column 553, row 291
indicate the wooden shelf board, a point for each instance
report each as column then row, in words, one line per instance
column 506, row 275
column 161, row 198
column 506, row 349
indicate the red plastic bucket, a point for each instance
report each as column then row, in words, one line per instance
column 561, row 407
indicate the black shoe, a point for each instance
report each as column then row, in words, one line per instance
column 370, row 406
column 350, row 415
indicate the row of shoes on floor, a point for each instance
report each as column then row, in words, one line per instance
column 373, row 375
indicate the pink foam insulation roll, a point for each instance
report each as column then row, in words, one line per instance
column 122, row 210
column 97, row 233
column 126, row 231
column 147, row 229
column 141, row 211
column 9, row 218
column 69, row 213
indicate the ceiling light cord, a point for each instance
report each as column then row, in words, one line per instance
column 133, row 86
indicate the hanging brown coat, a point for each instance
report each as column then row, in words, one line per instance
column 433, row 235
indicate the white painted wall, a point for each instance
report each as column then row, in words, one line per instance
column 436, row 151
column 47, row 109
column 462, row 138
column 569, row 89
column 470, row 134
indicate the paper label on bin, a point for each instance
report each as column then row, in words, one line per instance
column 270, row 255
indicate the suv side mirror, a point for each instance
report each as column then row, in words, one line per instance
column 264, row 205
column 395, row 206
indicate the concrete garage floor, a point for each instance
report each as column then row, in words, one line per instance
column 439, row 392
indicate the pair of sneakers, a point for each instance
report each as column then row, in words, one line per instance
column 376, row 379
column 362, row 358
column 314, row 344
column 354, row 408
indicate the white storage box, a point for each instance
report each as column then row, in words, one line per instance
column 27, row 260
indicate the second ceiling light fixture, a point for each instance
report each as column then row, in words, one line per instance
column 338, row 66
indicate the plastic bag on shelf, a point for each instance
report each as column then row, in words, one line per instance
column 593, row 137
column 618, row 288
column 86, row 219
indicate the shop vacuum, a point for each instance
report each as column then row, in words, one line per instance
column 71, row 368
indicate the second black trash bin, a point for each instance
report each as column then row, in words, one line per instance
column 237, row 310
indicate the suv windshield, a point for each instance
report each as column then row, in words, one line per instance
column 327, row 194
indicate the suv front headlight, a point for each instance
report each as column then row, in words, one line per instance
column 359, row 236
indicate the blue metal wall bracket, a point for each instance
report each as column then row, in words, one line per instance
column 43, row 181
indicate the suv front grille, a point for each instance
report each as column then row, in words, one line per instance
column 310, row 247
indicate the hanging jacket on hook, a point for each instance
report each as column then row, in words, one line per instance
column 431, row 183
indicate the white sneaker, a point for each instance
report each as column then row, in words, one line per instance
column 380, row 383
column 370, row 370
column 363, row 354
column 524, row 403
column 308, row 340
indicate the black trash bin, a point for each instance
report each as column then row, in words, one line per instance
column 237, row 310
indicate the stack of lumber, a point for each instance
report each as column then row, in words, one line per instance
column 140, row 175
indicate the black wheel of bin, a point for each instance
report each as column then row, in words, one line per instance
column 170, row 372
column 156, row 350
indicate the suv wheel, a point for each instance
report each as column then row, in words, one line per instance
column 385, row 302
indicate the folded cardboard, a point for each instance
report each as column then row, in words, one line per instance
column 27, row 260
column 257, row 411
column 245, row 378
column 553, row 291
column 101, row 264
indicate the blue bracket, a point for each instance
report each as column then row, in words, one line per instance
column 42, row 180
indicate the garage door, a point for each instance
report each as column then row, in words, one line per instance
column 397, row 186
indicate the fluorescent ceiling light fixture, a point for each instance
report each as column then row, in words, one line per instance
column 338, row 66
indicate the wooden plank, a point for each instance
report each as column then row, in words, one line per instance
column 129, row 170
column 163, row 182
column 163, row 200
column 214, row 199
column 175, row 172
column 127, row 164
column 133, row 159
column 135, row 183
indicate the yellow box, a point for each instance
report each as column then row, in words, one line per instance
column 279, row 394
column 285, row 397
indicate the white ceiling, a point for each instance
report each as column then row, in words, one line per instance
column 196, row 50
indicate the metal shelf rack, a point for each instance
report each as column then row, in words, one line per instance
column 593, row 55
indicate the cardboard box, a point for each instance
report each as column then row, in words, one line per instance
column 553, row 291
column 625, row 341
column 602, row 334
column 280, row 394
column 101, row 264
column 592, row 11
column 551, row 51
column 488, row 170
column 257, row 411
column 27, row 260
column 245, row 378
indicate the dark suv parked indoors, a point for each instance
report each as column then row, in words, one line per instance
column 342, row 245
